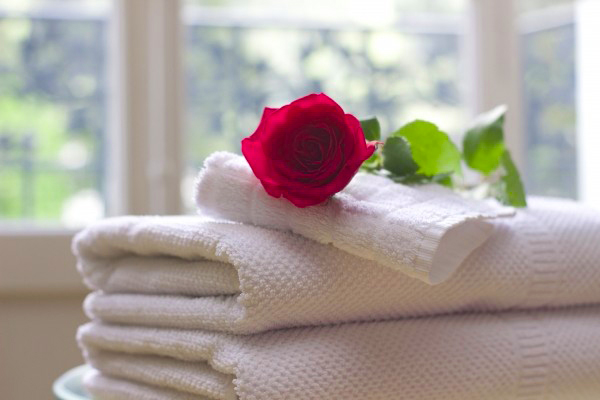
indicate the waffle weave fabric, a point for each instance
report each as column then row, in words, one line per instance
column 191, row 272
column 105, row 387
column 552, row 354
column 424, row 232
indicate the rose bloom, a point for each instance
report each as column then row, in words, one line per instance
column 307, row 150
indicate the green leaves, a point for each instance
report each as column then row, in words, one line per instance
column 421, row 153
column 371, row 128
column 484, row 151
column 509, row 190
column 416, row 153
column 372, row 132
column 432, row 150
column 397, row 157
column 483, row 144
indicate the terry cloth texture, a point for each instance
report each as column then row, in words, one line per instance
column 191, row 272
column 108, row 388
column 552, row 354
column 425, row 232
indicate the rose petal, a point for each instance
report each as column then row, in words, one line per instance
column 307, row 150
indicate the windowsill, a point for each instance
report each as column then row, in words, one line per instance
column 38, row 262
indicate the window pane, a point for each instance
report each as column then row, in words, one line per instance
column 52, row 110
column 398, row 60
column 536, row 5
column 548, row 54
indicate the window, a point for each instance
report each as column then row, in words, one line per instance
column 52, row 110
column 547, row 34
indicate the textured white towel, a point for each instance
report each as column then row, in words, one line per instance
column 425, row 232
column 103, row 387
column 192, row 273
column 538, row 355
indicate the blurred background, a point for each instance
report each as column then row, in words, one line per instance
column 109, row 108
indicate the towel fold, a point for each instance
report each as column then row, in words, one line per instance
column 105, row 387
column 425, row 232
column 543, row 354
column 192, row 272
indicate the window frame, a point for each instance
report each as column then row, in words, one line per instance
column 587, row 13
column 146, row 112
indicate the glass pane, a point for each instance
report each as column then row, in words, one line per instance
column 52, row 110
column 398, row 60
column 536, row 5
column 548, row 55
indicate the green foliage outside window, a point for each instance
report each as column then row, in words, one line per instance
column 52, row 115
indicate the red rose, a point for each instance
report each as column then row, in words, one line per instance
column 307, row 150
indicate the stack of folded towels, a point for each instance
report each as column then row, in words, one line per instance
column 384, row 292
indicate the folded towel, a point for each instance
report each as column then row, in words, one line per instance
column 545, row 354
column 425, row 232
column 104, row 387
column 190, row 272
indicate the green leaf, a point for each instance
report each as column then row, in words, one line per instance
column 432, row 150
column 372, row 163
column 371, row 128
column 444, row 180
column 483, row 144
column 509, row 190
column 419, row 179
column 397, row 157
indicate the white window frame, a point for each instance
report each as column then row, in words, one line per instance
column 587, row 14
column 146, row 77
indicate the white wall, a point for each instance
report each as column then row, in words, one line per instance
column 40, row 309
column 37, row 343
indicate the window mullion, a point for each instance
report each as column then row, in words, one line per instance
column 165, row 75
column 145, row 140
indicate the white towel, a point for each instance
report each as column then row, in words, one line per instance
column 537, row 355
column 425, row 232
column 189, row 272
column 103, row 387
